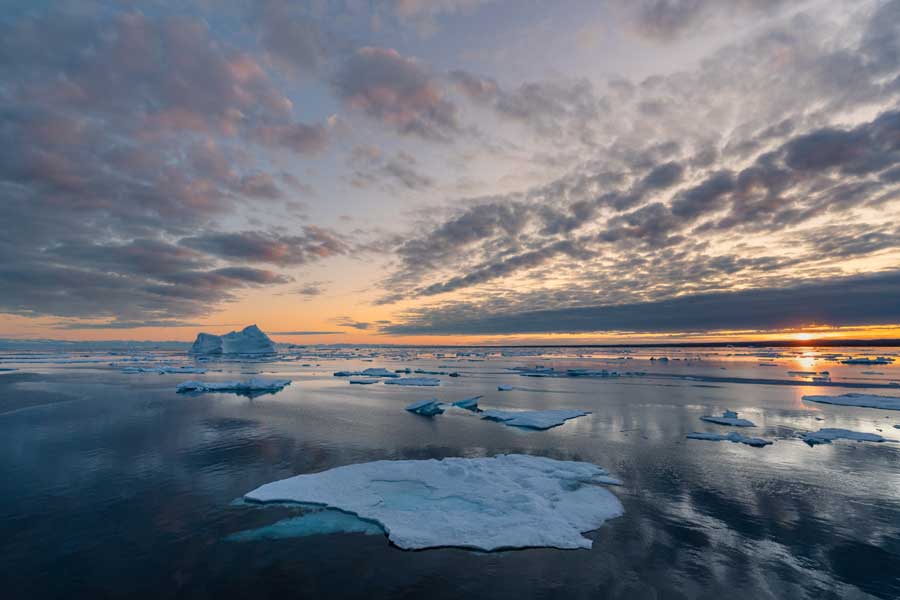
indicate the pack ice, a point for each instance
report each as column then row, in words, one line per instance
column 505, row 501
column 863, row 400
column 533, row 419
column 827, row 435
column 423, row 381
column 729, row 417
column 254, row 384
column 250, row 340
column 734, row 436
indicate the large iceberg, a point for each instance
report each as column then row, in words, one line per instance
column 863, row 400
column 250, row 340
column 533, row 419
column 729, row 417
column 827, row 435
column 506, row 501
column 254, row 384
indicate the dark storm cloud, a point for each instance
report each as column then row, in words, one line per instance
column 848, row 301
column 121, row 133
column 312, row 244
column 397, row 91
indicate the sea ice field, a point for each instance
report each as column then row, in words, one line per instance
column 376, row 472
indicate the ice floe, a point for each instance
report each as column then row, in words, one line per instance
column 505, row 501
column 533, row 419
column 320, row 522
column 879, row 360
column 364, row 380
column 254, row 384
column 729, row 417
column 827, row 435
column 468, row 403
column 164, row 370
column 504, row 388
column 733, row 436
column 423, row 381
column 371, row 372
column 249, row 341
column 426, row 408
column 855, row 399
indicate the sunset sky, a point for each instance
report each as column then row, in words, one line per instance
column 450, row 171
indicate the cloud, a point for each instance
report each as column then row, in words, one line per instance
column 847, row 301
column 372, row 168
column 353, row 323
column 314, row 243
column 306, row 332
column 397, row 91
column 667, row 20
column 312, row 289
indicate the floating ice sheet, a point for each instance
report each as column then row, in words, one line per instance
column 734, row 436
column 863, row 400
column 506, row 501
column 533, row 419
column 254, row 384
column 729, row 417
column 827, row 435
column 421, row 381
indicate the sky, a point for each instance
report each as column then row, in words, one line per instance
column 450, row 171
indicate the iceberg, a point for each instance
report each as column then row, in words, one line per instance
column 826, row 436
column 250, row 340
column 500, row 502
column 424, row 381
column 729, row 417
column 468, row 403
column 862, row 400
column 533, row 419
column 254, row 384
column 426, row 408
column 733, row 436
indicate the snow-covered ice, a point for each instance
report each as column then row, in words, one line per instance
column 426, row 408
column 505, row 501
column 862, row 400
column 533, row 419
column 423, row 381
column 827, row 435
column 729, row 417
column 468, row 403
column 254, row 384
column 733, row 436
column 250, row 340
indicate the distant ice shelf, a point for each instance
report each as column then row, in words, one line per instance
column 254, row 384
column 533, row 419
column 862, row 400
column 505, row 501
column 729, row 417
column 733, row 436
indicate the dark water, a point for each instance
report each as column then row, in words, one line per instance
column 113, row 485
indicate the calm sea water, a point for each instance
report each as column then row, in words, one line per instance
column 112, row 485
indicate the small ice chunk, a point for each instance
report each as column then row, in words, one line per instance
column 365, row 380
column 423, row 381
column 533, row 419
column 505, row 501
column 729, row 417
column 827, row 435
column 504, row 387
column 254, row 384
column 862, row 400
column 426, row 408
column 733, row 436
column 468, row 403
column 880, row 360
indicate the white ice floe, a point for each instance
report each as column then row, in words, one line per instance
column 426, row 408
column 533, row 419
column 423, row 381
column 506, row 501
column 733, row 436
column 880, row 360
column 862, row 400
column 250, row 340
column 729, row 417
column 826, row 436
column 254, row 384
column 371, row 372
column 504, row 387
column 364, row 380
column 164, row 369
column 468, row 403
